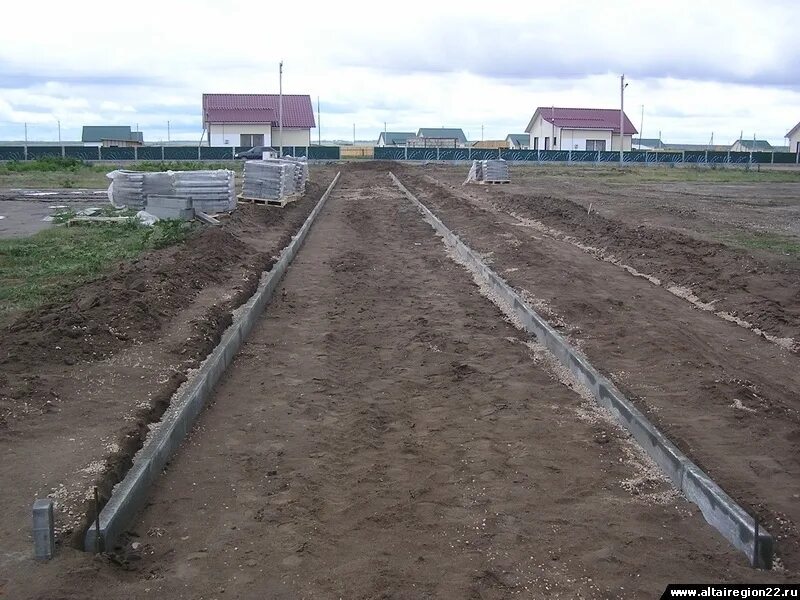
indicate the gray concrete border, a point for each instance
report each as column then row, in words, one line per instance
column 130, row 494
column 719, row 509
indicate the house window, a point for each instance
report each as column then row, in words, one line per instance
column 251, row 140
column 554, row 143
column 596, row 145
column 536, row 143
column 547, row 143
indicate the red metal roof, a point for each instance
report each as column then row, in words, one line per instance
column 258, row 108
column 585, row 118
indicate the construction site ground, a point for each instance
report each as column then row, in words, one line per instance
column 386, row 432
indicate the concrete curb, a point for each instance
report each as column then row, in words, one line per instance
column 719, row 509
column 130, row 494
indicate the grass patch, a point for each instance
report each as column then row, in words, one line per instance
column 769, row 242
column 45, row 267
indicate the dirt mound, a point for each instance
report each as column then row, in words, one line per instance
column 127, row 306
column 748, row 286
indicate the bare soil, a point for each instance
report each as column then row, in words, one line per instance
column 81, row 380
column 385, row 433
column 725, row 396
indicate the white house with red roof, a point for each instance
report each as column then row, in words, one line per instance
column 556, row 128
column 793, row 136
column 252, row 120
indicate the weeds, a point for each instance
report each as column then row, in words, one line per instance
column 45, row 267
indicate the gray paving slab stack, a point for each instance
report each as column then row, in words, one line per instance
column 272, row 179
column 488, row 170
column 210, row 191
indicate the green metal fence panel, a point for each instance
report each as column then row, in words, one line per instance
column 668, row 157
column 149, row 153
column 180, row 152
column 694, row 156
column 81, row 152
column 763, row 158
column 117, row 154
column 325, row 152
column 421, row 153
column 35, row 152
column 785, row 158
column 584, row 156
column 518, row 155
column 740, row 157
column 717, row 157
column 608, row 156
column 635, row 157
column 454, row 154
column 216, row 153
column 12, row 152
column 379, row 153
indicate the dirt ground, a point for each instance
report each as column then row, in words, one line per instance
column 80, row 380
column 727, row 397
column 385, row 433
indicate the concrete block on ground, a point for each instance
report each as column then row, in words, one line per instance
column 168, row 202
column 44, row 540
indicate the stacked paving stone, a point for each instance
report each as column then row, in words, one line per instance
column 273, row 179
column 301, row 172
column 488, row 170
column 206, row 191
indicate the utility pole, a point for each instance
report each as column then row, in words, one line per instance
column 641, row 128
column 354, row 135
column 59, row 132
column 319, row 125
column 280, row 107
column 26, row 133
column 481, row 132
column 168, row 136
column 622, row 86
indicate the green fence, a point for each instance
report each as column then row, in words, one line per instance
column 156, row 153
column 585, row 156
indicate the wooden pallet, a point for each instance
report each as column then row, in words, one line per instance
column 267, row 202
column 494, row 181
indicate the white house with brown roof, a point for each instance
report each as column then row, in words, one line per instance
column 252, row 120
column 794, row 139
column 556, row 128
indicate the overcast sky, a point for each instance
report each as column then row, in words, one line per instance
column 697, row 66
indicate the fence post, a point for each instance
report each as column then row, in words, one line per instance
column 437, row 152
column 198, row 152
column 99, row 153
column 136, row 153
column 63, row 151
column 162, row 153
column 728, row 159
column 25, row 152
column 706, row 155
column 469, row 152
column 772, row 160
column 405, row 152
column 683, row 156
column 233, row 152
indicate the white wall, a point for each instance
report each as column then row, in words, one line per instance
column 542, row 129
column 794, row 142
column 228, row 134
column 291, row 137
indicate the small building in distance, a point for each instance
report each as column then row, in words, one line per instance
column 518, row 141
column 438, row 137
column 793, row 135
column 751, row 146
column 490, row 144
column 251, row 120
column 111, row 136
column 556, row 128
column 394, row 138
